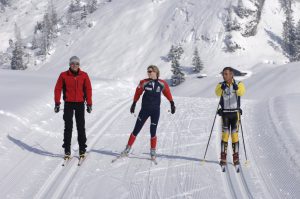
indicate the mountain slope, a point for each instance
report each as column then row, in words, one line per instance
column 129, row 35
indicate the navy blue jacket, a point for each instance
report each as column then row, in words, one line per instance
column 152, row 90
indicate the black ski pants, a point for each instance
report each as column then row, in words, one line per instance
column 69, row 109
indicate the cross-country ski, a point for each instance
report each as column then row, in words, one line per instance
column 67, row 159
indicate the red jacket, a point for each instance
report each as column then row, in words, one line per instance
column 76, row 88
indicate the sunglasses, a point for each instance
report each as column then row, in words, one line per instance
column 150, row 71
column 74, row 64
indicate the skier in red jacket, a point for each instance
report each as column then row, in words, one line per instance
column 76, row 87
column 152, row 89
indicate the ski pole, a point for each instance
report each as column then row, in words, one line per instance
column 244, row 141
column 212, row 129
column 240, row 118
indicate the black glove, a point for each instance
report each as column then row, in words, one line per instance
column 241, row 111
column 220, row 112
column 223, row 86
column 89, row 108
column 132, row 107
column 173, row 108
column 56, row 108
column 235, row 86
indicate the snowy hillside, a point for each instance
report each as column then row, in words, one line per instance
column 129, row 35
column 124, row 38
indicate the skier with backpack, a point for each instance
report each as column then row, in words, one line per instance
column 152, row 88
column 76, row 87
column 230, row 92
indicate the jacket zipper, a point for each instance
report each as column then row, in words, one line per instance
column 75, row 89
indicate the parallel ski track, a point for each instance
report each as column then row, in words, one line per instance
column 236, row 182
column 234, row 179
column 58, row 182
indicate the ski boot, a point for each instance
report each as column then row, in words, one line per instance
column 223, row 161
column 82, row 153
column 153, row 154
column 67, row 155
column 67, row 158
column 126, row 151
column 236, row 160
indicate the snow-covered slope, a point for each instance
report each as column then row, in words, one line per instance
column 127, row 36
column 26, row 14
column 32, row 134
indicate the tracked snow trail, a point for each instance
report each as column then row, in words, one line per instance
column 33, row 152
column 179, row 173
column 61, row 177
column 236, row 183
column 33, row 156
column 271, row 164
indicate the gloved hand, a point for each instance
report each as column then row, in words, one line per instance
column 89, row 108
column 132, row 107
column 56, row 108
column 220, row 112
column 223, row 86
column 241, row 111
column 235, row 86
column 173, row 108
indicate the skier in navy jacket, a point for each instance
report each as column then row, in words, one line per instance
column 152, row 89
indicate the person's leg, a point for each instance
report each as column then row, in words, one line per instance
column 68, row 118
column 80, row 124
column 234, row 123
column 142, row 118
column 225, row 137
column 153, row 127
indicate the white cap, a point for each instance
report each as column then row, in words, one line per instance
column 74, row 59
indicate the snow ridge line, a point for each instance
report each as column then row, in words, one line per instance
column 278, row 128
column 72, row 166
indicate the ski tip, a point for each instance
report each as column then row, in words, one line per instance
column 237, row 168
column 223, row 169
column 155, row 162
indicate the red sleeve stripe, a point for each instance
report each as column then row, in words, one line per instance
column 58, row 89
column 88, row 87
column 167, row 91
column 139, row 90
